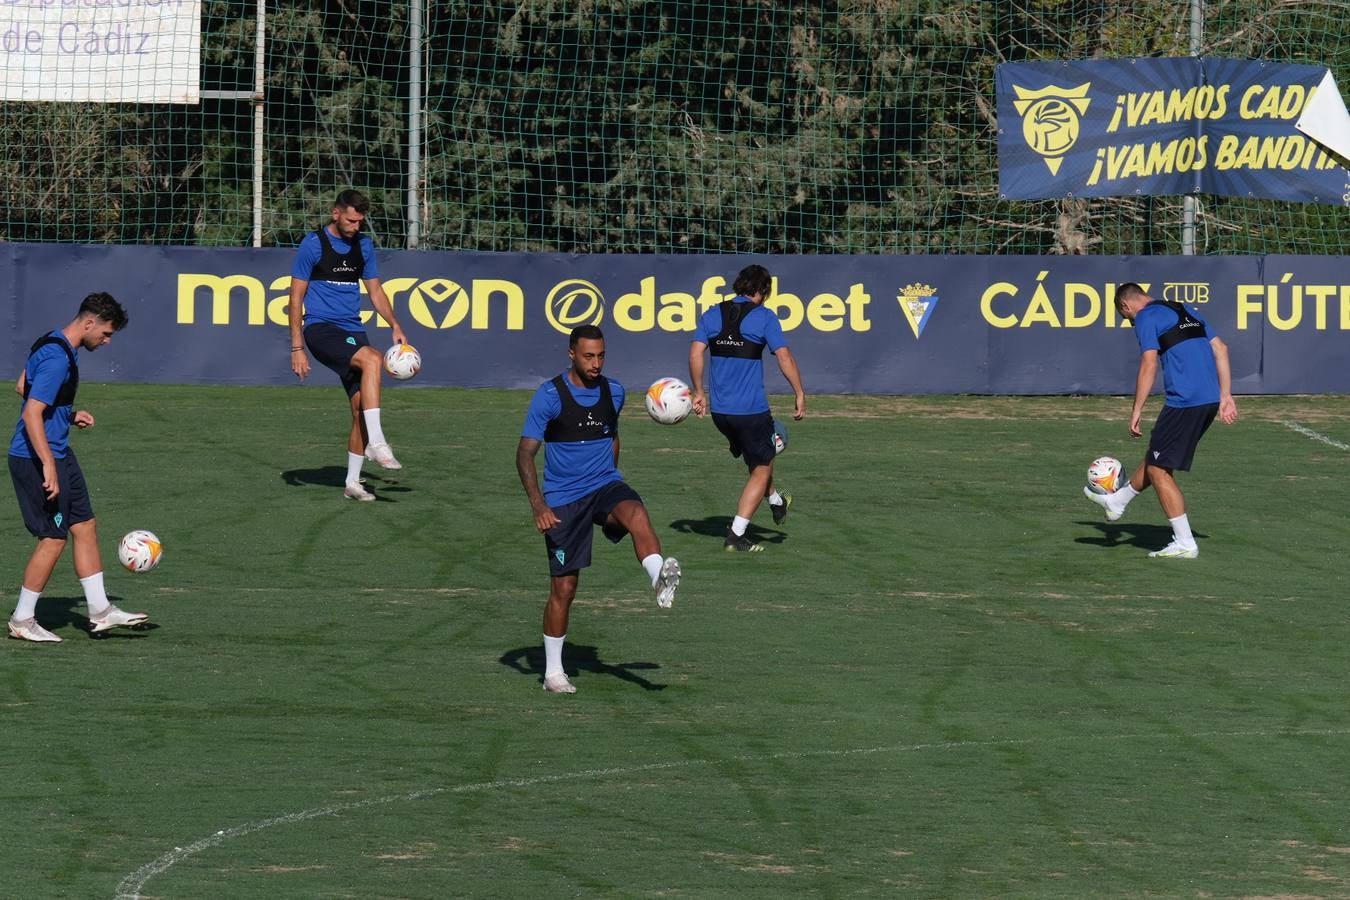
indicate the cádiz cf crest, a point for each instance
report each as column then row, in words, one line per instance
column 917, row 302
column 1050, row 119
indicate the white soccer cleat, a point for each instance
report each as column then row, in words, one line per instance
column 667, row 582
column 30, row 630
column 1104, row 501
column 1176, row 551
column 384, row 455
column 356, row 491
column 113, row 617
column 558, row 684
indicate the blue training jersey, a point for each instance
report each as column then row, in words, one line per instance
column 335, row 302
column 1190, row 376
column 46, row 372
column 572, row 469
column 737, row 385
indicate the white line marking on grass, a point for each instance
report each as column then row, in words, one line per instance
column 130, row 886
column 1308, row 432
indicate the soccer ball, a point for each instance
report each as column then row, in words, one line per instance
column 139, row 551
column 1106, row 475
column 402, row 361
column 668, row 400
column 779, row 437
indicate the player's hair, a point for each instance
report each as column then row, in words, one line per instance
column 102, row 305
column 350, row 199
column 1125, row 292
column 584, row 333
column 753, row 280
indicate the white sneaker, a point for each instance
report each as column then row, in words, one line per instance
column 1104, row 501
column 30, row 630
column 384, row 455
column 356, row 491
column 667, row 582
column 558, row 684
column 1176, row 551
column 114, row 618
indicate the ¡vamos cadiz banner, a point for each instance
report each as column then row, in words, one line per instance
column 1123, row 127
column 856, row 324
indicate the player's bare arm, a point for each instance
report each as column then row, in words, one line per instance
column 21, row 383
column 37, row 439
column 1143, row 385
column 526, row 450
column 296, row 316
column 696, row 351
column 1228, row 411
column 787, row 364
column 380, row 300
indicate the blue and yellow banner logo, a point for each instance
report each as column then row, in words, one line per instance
column 917, row 302
column 1128, row 127
column 1051, row 119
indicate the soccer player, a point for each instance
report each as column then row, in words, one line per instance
column 1198, row 385
column 50, row 487
column 325, row 291
column 736, row 332
column 576, row 415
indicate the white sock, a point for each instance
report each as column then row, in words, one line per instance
column 27, row 605
column 652, row 563
column 738, row 525
column 775, row 499
column 373, row 429
column 1123, row 496
column 354, row 461
column 1181, row 531
column 553, row 655
column 94, row 595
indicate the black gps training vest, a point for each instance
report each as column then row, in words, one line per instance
column 729, row 341
column 582, row 423
column 1187, row 327
column 66, row 395
column 345, row 268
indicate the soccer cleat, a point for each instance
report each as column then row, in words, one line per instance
column 356, row 491
column 780, row 510
column 739, row 543
column 1104, row 501
column 1176, row 551
column 30, row 630
column 558, row 684
column 384, row 455
column 113, row 617
column 667, row 582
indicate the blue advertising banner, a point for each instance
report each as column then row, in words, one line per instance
column 857, row 324
column 1122, row 127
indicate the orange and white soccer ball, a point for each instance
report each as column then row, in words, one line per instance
column 402, row 361
column 1106, row 475
column 139, row 551
column 668, row 401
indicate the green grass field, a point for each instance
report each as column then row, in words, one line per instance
column 947, row 676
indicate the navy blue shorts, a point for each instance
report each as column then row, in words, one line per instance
column 50, row 518
column 335, row 348
column 569, row 542
column 750, row 437
column 1176, row 434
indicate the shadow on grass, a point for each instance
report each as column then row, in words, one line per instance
column 1113, row 534
column 56, row 613
column 579, row 658
column 717, row 526
column 336, row 477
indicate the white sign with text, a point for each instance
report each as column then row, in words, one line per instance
column 101, row 51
